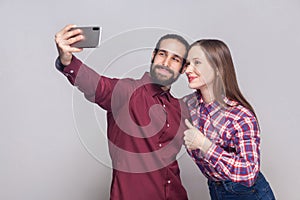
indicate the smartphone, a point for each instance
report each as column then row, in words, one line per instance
column 92, row 37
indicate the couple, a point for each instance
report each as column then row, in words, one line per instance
column 146, row 125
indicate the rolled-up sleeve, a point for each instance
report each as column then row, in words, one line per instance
column 96, row 88
column 244, row 165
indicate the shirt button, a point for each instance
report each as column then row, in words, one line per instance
column 169, row 181
column 71, row 71
column 160, row 145
column 164, row 105
column 168, row 125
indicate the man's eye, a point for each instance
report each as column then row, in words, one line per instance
column 176, row 59
column 161, row 53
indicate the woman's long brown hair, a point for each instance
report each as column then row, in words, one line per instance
column 219, row 56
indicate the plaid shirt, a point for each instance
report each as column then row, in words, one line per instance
column 234, row 154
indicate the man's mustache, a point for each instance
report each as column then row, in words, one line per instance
column 165, row 68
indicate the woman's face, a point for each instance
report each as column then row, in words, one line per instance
column 199, row 72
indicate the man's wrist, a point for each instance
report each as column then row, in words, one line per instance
column 59, row 65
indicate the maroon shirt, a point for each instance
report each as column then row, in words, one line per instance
column 145, row 132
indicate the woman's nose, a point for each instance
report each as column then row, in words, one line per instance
column 188, row 69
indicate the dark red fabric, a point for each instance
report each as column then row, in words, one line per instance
column 145, row 130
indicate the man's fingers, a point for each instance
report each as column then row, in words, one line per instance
column 65, row 36
column 72, row 40
column 74, row 49
column 67, row 28
column 71, row 34
column 65, row 45
column 63, row 31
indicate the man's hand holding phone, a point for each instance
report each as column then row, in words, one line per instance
column 72, row 39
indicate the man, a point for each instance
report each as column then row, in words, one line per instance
column 144, row 121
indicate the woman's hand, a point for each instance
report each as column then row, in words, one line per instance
column 194, row 139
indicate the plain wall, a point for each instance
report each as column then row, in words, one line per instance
column 53, row 143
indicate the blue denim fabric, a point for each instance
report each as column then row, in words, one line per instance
column 261, row 190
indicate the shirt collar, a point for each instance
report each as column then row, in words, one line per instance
column 212, row 107
column 154, row 89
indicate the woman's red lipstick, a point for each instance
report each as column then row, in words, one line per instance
column 191, row 78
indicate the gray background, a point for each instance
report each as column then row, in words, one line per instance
column 50, row 135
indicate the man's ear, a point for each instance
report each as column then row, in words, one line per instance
column 183, row 68
column 153, row 55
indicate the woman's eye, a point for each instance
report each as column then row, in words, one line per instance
column 197, row 62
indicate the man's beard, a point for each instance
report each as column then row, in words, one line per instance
column 160, row 79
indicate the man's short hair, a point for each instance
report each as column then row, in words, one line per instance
column 175, row 37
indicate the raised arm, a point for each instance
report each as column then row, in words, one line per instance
column 95, row 87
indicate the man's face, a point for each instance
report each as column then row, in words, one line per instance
column 167, row 62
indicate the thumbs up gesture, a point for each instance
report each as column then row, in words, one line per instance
column 194, row 139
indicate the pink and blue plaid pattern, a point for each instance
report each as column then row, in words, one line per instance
column 235, row 134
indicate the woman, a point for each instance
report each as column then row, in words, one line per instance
column 224, row 139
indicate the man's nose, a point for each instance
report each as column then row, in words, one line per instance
column 166, row 61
